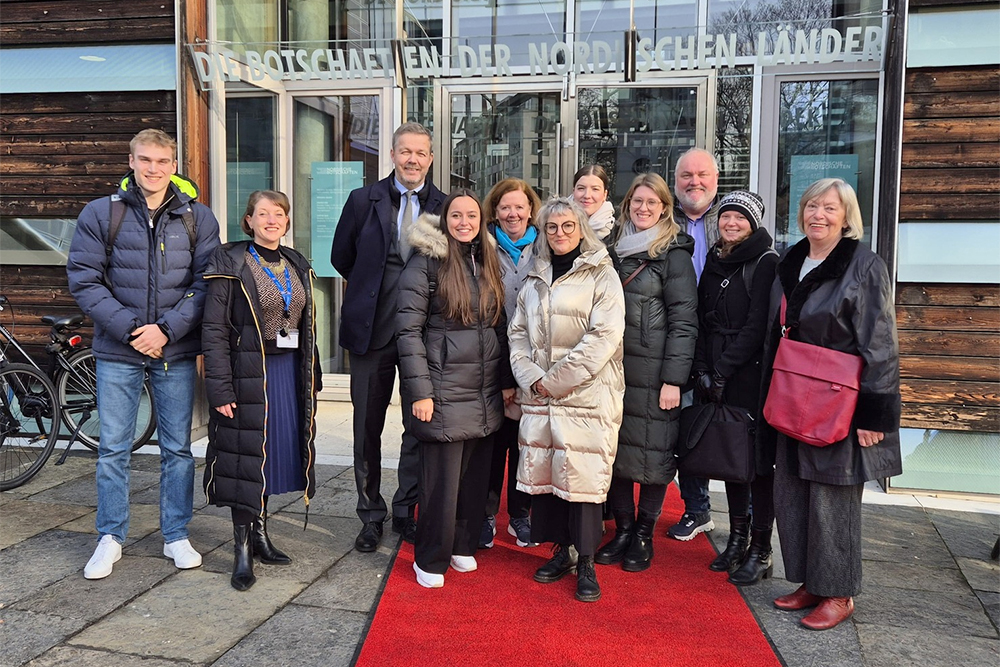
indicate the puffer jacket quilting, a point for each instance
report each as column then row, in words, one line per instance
column 569, row 335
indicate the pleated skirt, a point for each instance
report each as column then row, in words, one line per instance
column 283, row 463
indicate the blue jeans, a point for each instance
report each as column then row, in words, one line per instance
column 119, row 386
column 694, row 490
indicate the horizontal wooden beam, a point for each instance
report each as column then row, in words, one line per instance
column 122, row 123
column 952, row 104
column 949, row 343
column 952, row 79
column 971, row 369
column 951, row 130
column 941, row 181
column 74, row 10
column 910, row 294
column 915, row 156
column 47, row 207
column 56, row 185
column 66, row 144
column 120, row 31
column 948, row 318
column 951, row 417
column 950, row 392
column 89, row 103
column 64, row 165
column 948, row 207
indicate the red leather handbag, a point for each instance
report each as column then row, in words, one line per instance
column 813, row 391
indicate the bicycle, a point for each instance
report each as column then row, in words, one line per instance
column 72, row 374
column 29, row 422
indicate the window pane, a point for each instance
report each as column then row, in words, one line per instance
column 515, row 23
column 748, row 17
column 247, row 23
column 954, row 36
column 249, row 155
column 969, row 256
column 35, row 241
column 89, row 68
column 339, row 20
column 608, row 19
column 734, row 102
column 825, row 128
column 964, row 462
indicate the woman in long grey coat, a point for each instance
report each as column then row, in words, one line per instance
column 566, row 354
column 653, row 257
column 839, row 296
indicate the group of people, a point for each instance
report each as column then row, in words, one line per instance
column 553, row 343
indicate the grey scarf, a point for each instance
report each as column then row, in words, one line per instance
column 632, row 241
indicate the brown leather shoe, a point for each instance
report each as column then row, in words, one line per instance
column 800, row 599
column 830, row 613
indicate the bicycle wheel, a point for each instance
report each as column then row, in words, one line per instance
column 29, row 423
column 77, row 393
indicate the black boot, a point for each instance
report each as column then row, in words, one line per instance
column 757, row 565
column 587, row 588
column 262, row 547
column 614, row 550
column 736, row 548
column 639, row 555
column 563, row 562
column 242, row 578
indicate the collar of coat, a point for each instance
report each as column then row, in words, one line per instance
column 833, row 267
column 230, row 258
column 427, row 238
column 543, row 267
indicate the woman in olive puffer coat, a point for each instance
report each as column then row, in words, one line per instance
column 455, row 366
column 653, row 258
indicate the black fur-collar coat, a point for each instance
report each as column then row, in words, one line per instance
column 846, row 304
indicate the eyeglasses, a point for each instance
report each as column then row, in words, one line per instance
column 552, row 228
column 649, row 203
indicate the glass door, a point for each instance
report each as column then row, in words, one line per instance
column 496, row 135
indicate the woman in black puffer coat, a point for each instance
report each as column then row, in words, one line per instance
column 732, row 311
column 260, row 380
column 454, row 363
column 653, row 258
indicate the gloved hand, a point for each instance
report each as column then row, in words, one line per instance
column 716, row 388
column 703, row 387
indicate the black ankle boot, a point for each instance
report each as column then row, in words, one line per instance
column 614, row 550
column 242, row 578
column 262, row 547
column 587, row 588
column 757, row 565
column 639, row 555
column 736, row 548
column 563, row 562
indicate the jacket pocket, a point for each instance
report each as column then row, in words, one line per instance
column 644, row 324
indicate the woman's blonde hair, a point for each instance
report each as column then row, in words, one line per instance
column 273, row 196
column 848, row 199
column 557, row 206
column 667, row 226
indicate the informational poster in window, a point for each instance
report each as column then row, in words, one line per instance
column 331, row 183
column 242, row 178
column 806, row 170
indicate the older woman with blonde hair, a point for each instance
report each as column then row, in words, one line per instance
column 566, row 354
column 653, row 258
column 838, row 295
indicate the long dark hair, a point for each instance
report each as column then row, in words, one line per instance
column 452, row 282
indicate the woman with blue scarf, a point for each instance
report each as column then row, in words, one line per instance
column 510, row 207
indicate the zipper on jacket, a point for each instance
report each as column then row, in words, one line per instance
column 163, row 256
column 312, row 393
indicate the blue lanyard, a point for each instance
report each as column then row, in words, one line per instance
column 285, row 290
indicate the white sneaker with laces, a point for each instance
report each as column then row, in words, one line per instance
column 428, row 579
column 107, row 553
column 184, row 555
column 464, row 563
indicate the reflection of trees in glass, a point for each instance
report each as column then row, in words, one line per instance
column 732, row 127
column 749, row 18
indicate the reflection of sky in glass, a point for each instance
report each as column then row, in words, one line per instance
column 967, row 37
column 89, row 68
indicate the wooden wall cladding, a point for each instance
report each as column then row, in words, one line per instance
column 63, row 22
column 35, row 291
column 949, row 344
column 60, row 150
column 951, row 130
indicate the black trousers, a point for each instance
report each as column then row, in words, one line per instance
column 621, row 497
column 505, row 458
column 556, row 520
column 372, row 377
column 761, row 490
column 453, row 477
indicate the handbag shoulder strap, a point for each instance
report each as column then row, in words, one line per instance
column 632, row 276
column 784, row 309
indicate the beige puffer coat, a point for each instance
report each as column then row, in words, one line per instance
column 569, row 335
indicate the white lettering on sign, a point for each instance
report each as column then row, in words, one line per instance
column 686, row 52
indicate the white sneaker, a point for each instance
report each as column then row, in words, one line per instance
column 428, row 580
column 184, row 555
column 464, row 563
column 107, row 553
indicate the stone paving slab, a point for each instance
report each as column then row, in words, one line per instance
column 25, row 634
column 337, row 497
column 955, row 614
column 968, row 535
column 69, row 656
column 299, row 635
column 22, row 519
column 991, row 603
column 77, row 464
column 352, row 584
column 150, row 625
column 205, row 532
column 82, row 490
column 912, row 576
column 38, row 561
column 88, row 600
column 892, row 646
column 902, row 535
column 9, row 497
column 982, row 575
column 143, row 520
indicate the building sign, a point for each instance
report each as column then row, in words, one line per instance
column 692, row 52
column 806, row 170
column 331, row 183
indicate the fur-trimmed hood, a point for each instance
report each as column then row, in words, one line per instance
column 426, row 237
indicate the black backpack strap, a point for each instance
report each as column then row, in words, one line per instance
column 748, row 275
column 116, row 214
column 187, row 217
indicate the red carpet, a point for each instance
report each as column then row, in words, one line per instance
column 678, row 612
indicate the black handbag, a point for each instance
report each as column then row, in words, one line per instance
column 717, row 442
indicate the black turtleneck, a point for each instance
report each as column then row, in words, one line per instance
column 561, row 264
column 266, row 254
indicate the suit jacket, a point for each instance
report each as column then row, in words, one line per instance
column 363, row 233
